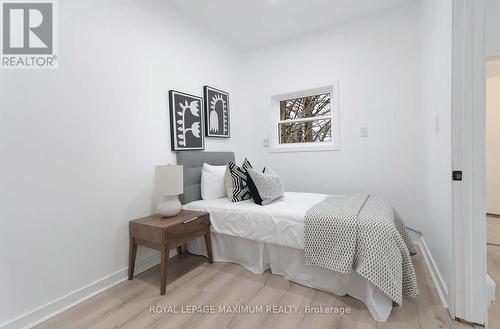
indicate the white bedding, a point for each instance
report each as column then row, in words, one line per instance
column 272, row 237
column 280, row 223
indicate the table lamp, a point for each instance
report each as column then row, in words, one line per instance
column 169, row 184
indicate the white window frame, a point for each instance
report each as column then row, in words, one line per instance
column 334, row 145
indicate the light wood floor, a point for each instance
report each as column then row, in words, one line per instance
column 494, row 272
column 493, row 239
column 192, row 281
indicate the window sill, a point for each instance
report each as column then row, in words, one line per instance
column 303, row 148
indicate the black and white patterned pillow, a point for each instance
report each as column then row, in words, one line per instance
column 253, row 189
column 235, row 180
column 265, row 187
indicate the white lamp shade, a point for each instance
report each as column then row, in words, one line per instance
column 169, row 180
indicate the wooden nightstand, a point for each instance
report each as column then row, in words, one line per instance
column 165, row 233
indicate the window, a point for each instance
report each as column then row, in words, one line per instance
column 306, row 121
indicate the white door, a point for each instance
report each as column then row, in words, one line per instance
column 468, row 155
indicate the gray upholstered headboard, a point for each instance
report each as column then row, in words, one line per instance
column 192, row 162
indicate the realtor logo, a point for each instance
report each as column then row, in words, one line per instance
column 28, row 34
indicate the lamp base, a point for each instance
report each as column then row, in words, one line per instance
column 169, row 206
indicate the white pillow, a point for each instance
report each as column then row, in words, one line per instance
column 212, row 182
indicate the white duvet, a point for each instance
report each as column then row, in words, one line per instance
column 279, row 223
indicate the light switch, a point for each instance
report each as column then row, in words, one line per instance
column 364, row 132
column 265, row 142
column 436, row 123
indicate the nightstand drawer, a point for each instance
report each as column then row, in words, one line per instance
column 188, row 228
column 145, row 232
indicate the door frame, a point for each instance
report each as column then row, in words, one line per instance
column 467, row 296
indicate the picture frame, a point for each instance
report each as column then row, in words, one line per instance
column 217, row 112
column 186, row 121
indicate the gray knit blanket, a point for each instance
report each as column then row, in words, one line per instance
column 364, row 234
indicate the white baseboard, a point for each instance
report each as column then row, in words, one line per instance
column 49, row 310
column 437, row 278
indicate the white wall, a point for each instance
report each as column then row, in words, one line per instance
column 436, row 102
column 493, row 144
column 492, row 28
column 78, row 145
column 377, row 63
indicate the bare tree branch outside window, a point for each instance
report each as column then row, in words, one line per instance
column 306, row 119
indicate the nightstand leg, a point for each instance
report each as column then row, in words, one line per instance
column 208, row 244
column 131, row 258
column 163, row 270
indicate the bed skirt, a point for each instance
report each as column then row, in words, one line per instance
column 289, row 262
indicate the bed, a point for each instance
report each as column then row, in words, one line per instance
column 269, row 237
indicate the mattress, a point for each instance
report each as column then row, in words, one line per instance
column 279, row 223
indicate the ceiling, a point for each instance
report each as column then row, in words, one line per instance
column 250, row 24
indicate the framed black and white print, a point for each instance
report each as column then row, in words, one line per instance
column 186, row 121
column 216, row 112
